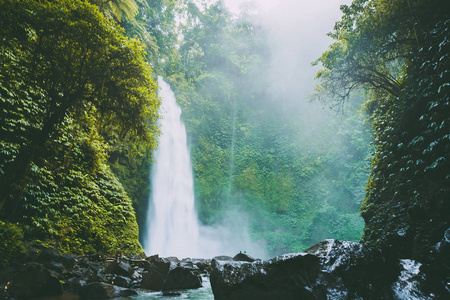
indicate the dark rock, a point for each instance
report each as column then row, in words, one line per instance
column 349, row 268
column 284, row 277
column 68, row 261
column 121, row 281
column 173, row 259
column 97, row 290
column 33, row 280
column 119, row 268
column 48, row 254
column 182, row 278
column 56, row 267
column 155, row 273
column 410, row 282
column 202, row 264
column 74, row 285
column 330, row 270
column 437, row 270
column 152, row 257
column 243, row 257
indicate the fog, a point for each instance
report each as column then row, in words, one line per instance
column 296, row 35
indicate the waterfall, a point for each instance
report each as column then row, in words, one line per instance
column 173, row 229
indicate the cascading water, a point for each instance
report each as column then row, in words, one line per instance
column 172, row 224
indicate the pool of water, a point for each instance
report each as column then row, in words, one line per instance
column 203, row 293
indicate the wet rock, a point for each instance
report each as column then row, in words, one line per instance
column 119, row 268
column 173, row 259
column 243, row 257
column 97, row 290
column 182, row 278
column 155, row 273
column 410, row 282
column 33, row 280
column 121, row 281
column 285, row 277
column 330, row 270
column 152, row 257
column 437, row 269
column 204, row 265
column 350, row 269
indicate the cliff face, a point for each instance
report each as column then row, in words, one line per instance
column 406, row 207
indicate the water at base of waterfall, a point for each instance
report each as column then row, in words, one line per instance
column 203, row 293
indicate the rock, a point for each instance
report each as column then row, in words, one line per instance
column 155, row 273
column 68, row 261
column 437, row 270
column 49, row 254
column 104, row 290
column 410, row 282
column 285, row 277
column 152, row 257
column 173, row 259
column 182, row 278
column 33, row 280
column 223, row 258
column 204, row 265
column 74, row 285
column 243, row 257
column 121, row 281
column 119, row 268
column 330, row 270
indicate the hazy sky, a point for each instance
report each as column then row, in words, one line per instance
column 296, row 35
column 311, row 5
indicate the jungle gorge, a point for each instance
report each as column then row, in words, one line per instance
column 296, row 158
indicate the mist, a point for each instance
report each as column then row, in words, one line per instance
column 279, row 171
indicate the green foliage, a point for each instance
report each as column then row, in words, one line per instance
column 12, row 246
column 73, row 89
column 249, row 152
column 380, row 44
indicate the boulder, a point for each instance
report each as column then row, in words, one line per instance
column 120, row 281
column 243, row 257
column 119, row 267
column 285, row 277
column 182, row 278
column 97, row 290
column 33, row 280
column 155, row 273
column 330, row 270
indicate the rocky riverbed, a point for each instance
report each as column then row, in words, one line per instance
column 331, row 269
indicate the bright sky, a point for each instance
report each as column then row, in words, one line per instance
column 234, row 5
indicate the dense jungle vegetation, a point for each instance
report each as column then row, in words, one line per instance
column 79, row 115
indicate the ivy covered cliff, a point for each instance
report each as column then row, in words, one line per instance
column 73, row 88
column 398, row 51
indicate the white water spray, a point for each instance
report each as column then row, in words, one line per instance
column 172, row 224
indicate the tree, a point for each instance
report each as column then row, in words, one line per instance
column 73, row 61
